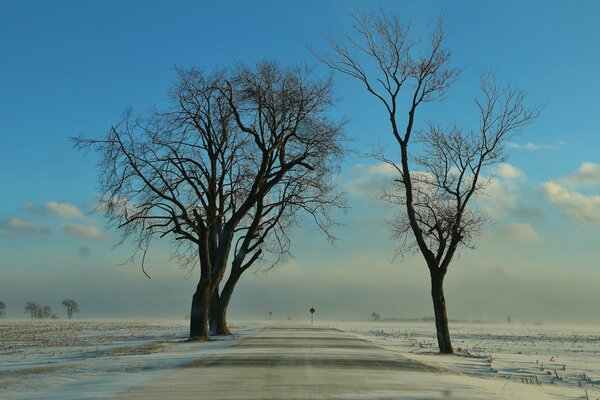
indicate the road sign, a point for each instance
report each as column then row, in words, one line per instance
column 312, row 312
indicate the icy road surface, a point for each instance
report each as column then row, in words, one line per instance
column 319, row 363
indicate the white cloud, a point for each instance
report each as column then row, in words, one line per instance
column 533, row 146
column 500, row 195
column 577, row 206
column 587, row 174
column 501, row 192
column 64, row 210
column 380, row 168
column 499, row 198
column 84, row 231
column 506, row 170
column 18, row 226
column 370, row 180
column 521, row 233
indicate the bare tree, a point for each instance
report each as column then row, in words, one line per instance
column 32, row 308
column 434, row 186
column 71, row 306
column 284, row 113
column 2, row 309
column 209, row 172
column 38, row 311
column 45, row 312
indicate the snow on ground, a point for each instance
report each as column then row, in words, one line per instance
column 560, row 362
column 94, row 360
column 97, row 360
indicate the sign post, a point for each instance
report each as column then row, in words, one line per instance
column 312, row 313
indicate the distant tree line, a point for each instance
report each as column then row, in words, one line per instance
column 38, row 311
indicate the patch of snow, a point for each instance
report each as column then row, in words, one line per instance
column 94, row 360
column 549, row 362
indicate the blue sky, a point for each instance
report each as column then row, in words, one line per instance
column 72, row 67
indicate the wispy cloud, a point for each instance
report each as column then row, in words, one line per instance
column 575, row 205
column 89, row 232
column 62, row 210
column 18, row 226
column 587, row 174
column 530, row 146
column 54, row 208
column 506, row 170
column 521, row 233
column 500, row 197
column 369, row 180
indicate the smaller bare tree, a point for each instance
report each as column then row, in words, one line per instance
column 2, row 309
column 436, row 181
column 71, row 306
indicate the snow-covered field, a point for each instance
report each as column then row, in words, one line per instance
column 93, row 360
column 554, row 359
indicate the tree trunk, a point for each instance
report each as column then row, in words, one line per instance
column 200, row 308
column 218, row 309
column 439, row 308
column 216, row 318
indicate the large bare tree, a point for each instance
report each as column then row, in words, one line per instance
column 285, row 114
column 437, row 180
column 223, row 173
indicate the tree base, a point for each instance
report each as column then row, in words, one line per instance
column 198, row 339
column 220, row 332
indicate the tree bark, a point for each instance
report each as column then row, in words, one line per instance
column 200, row 309
column 439, row 308
column 219, row 304
column 216, row 318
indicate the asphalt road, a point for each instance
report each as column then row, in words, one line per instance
column 302, row 363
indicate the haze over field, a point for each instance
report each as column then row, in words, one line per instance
column 73, row 69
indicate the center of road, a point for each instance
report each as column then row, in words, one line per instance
column 307, row 363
